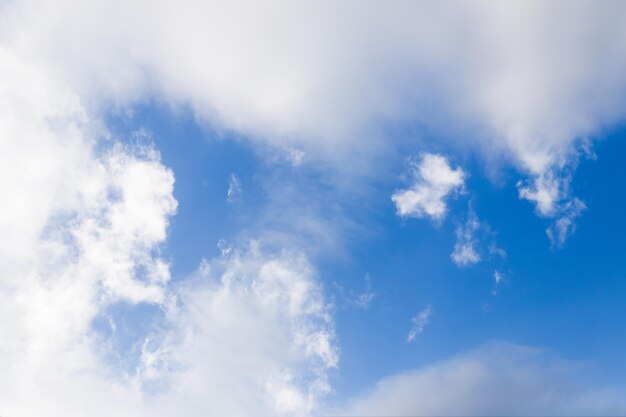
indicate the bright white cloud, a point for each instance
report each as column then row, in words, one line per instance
column 526, row 83
column 419, row 322
column 434, row 180
column 498, row 379
column 250, row 334
column 83, row 226
column 80, row 231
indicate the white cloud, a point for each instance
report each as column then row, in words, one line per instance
column 434, row 179
column 564, row 226
column 474, row 240
column 234, row 189
column 553, row 198
column 80, row 231
column 81, row 235
column 82, row 228
column 522, row 83
column 419, row 323
column 498, row 379
column 465, row 253
column 546, row 191
column 251, row 335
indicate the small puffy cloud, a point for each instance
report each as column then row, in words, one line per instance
column 419, row 322
column 497, row 379
column 434, row 180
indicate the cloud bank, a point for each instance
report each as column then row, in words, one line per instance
column 498, row 379
column 531, row 82
column 528, row 84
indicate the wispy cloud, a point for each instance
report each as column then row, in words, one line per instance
column 465, row 253
column 497, row 279
column 564, row 226
column 475, row 240
column 419, row 322
column 234, row 189
column 364, row 299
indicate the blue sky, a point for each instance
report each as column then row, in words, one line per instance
column 565, row 300
column 222, row 209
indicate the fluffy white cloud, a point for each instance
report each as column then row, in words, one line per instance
column 80, row 235
column 499, row 379
column 529, row 80
column 82, row 227
column 79, row 231
column 526, row 84
column 434, row 179
column 250, row 334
